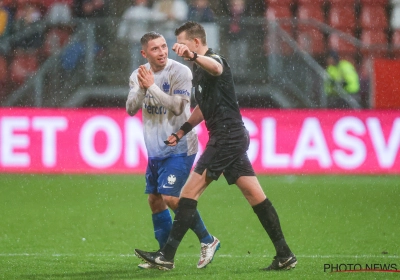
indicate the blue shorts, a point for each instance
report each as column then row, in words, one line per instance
column 168, row 176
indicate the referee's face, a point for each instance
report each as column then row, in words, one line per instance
column 156, row 53
column 183, row 39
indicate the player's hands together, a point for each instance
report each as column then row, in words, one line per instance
column 145, row 77
column 182, row 51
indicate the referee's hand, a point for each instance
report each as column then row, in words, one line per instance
column 172, row 140
column 182, row 51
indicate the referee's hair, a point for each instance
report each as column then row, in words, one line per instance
column 149, row 36
column 193, row 30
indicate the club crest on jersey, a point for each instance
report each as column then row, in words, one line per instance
column 171, row 179
column 165, row 87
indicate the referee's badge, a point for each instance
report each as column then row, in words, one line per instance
column 200, row 88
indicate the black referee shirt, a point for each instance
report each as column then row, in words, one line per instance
column 216, row 95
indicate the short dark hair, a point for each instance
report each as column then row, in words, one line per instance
column 149, row 36
column 193, row 30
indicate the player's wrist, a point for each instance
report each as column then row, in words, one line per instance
column 153, row 85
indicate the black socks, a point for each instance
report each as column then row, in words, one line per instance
column 270, row 221
column 184, row 217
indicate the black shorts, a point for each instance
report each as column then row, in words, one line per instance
column 226, row 153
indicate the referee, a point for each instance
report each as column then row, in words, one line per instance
column 225, row 151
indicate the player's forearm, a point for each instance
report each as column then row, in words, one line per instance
column 173, row 103
column 209, row 64
column 134, row 101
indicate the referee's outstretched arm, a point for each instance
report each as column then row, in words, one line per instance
column 212, row 66
column 207, row 63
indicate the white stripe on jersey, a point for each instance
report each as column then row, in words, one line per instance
column 159, row 122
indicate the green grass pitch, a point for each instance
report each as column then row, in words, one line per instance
column 86, row 227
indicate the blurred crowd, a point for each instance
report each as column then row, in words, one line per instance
column 40, row 28
column 31, row 45
column 33, row 42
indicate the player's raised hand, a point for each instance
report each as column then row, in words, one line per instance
column 140, row 83
column 182, row 51
column 145, row 77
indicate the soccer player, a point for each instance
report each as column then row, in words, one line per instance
column 162, row 89
column 225, row 151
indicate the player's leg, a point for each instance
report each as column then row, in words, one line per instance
column 173, row 176
column 209, row 244
column 198, row 225
column 187, row 208
column 185, row 213
column 175, row 173
column 161, row 217
column 162, row 222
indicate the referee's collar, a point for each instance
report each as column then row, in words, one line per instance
column 209, row 52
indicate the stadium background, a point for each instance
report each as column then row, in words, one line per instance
column 59, row 224
column 69, row 59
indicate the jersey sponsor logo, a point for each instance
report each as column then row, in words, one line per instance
column 182, row 91
column 171, row 179
column 165, row 87
column 157, row 110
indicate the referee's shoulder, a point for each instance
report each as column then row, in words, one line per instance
column 216, row 57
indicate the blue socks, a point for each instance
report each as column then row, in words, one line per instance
column 162, row 223
column 200, row 230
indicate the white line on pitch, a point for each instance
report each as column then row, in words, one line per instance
column 195, row 255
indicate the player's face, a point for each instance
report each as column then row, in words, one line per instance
column 156, row 53
column 183, row 39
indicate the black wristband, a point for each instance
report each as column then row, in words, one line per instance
column 177, row 137
column 194, row 56
column 186, row 128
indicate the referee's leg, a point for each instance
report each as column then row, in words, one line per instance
column 266, row 213
column 251, row 189
column 186, row 211
column 195, row 185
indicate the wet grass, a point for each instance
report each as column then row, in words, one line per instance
column 86, row 227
